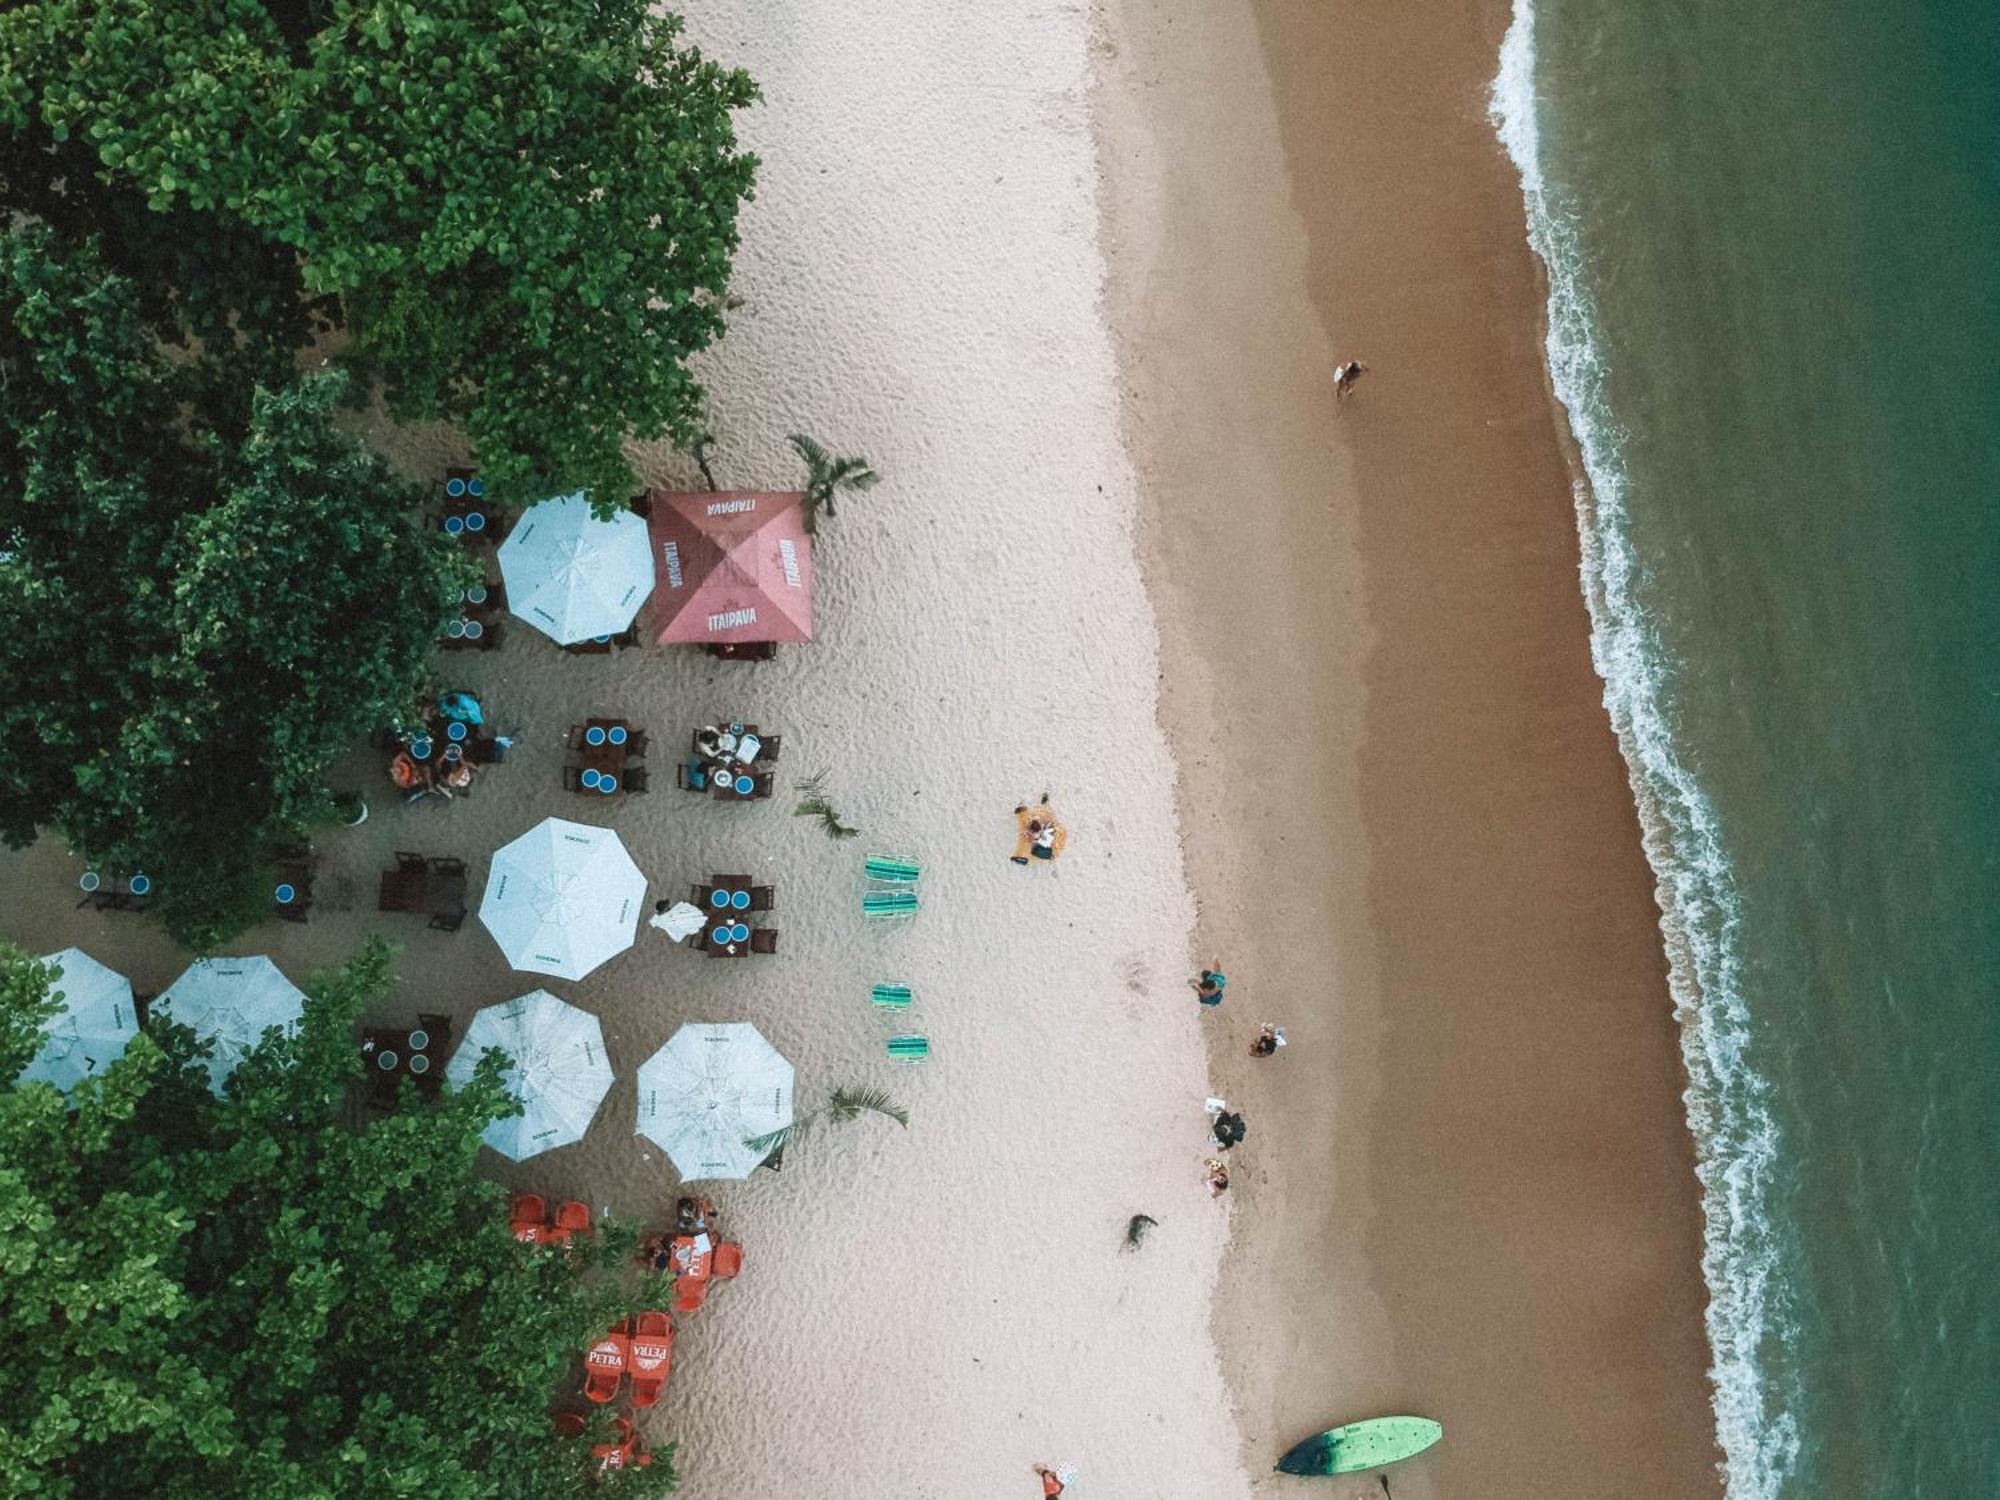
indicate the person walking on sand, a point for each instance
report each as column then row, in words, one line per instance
column 1210, row 984
column 1344, row 377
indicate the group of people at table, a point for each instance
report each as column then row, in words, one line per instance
column 438, row 754
column 730, row 762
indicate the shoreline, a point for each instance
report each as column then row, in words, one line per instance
column 1492, row 1216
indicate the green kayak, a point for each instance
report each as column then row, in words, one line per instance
column 1361, row 1445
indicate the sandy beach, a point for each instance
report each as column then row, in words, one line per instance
column 1407, row 823
column 1311, row 691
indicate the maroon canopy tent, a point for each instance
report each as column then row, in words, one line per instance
column 733, row 567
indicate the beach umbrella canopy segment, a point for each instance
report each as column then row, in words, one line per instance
column 231, row 1003
column 562, row 898
column 708, row 1093
column 558, row 1071
column 572, row 575
column 89, row 1033
column 731, row 567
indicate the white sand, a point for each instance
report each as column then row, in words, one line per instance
column 922, row 1314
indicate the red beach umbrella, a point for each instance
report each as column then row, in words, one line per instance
column 732, row 567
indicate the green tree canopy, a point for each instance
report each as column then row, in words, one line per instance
column 245, row 1297
column 197, row 621
column 522, row 214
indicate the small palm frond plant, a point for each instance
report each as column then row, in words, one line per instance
column 814, row 804
column 850, row 1104
column 841, row 1106
column 1135, row 1230
column 826, row 476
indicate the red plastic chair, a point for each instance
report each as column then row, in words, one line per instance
column 623, row 1452
column 652, row 1357
column 572, row 1218
column 527, row 1217
column 728, row 1261
column 605, row 1365
column 689, row 1294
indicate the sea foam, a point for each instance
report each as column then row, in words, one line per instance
column 1736, row 1137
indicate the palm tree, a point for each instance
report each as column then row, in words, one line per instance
column 827, row 475
column 841, row 1106
column 815, row 805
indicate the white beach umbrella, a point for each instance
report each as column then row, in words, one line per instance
column 573, row 576
column 232, row 1002
column 559, row 1073
column 562, row 898
column 712, row 1089
column 90, row 1032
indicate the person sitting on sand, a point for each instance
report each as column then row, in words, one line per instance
column 1344, row 377
column 1055, row 1481
column 1209, row 986
column 1039, row 833
column 1269, row 1040
column 1228, row 1130
column 1218, row 1177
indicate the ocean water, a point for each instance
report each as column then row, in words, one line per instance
column 1771, row 235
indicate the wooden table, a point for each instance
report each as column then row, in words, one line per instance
column 424, row 1063
column 724, row 920
column 423, row 892
column 606, row 759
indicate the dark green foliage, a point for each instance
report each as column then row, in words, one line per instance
column 522, row 214
column 826, row 476
column 197, row 621
column 244, row 1297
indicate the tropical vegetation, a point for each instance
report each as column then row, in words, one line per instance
column 244, row 1296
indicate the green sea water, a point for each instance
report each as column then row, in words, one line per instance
column 1770, row 232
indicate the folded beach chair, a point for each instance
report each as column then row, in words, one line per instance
column 890, row 870
column 891, row 996
column 909, row 1049
column 889, row 904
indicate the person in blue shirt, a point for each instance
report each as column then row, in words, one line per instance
column 1209, row 986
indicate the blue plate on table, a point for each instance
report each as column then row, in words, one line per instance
column 474, row 630
column 475, row 487
column 140, row 884
column 616, row 734
column 739, row 933
column 718, row 898
column 602, row 640
column 90, row 880
column 594, row 735
column 476, row 521
column 455, row 629
column 456, row 729
column 591, row 776
column 740, row 900
column 745, row 786
column 454, row 487
column 607, row 784
column 453, row 525
column 475, row 595
column 286, row 895
column 420, row 749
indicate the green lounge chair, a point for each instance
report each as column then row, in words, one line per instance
column 890, row 870
column 909, row 1049
column 891, row 996
column 889, row 904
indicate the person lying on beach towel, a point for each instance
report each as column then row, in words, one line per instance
column 1039, row 834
